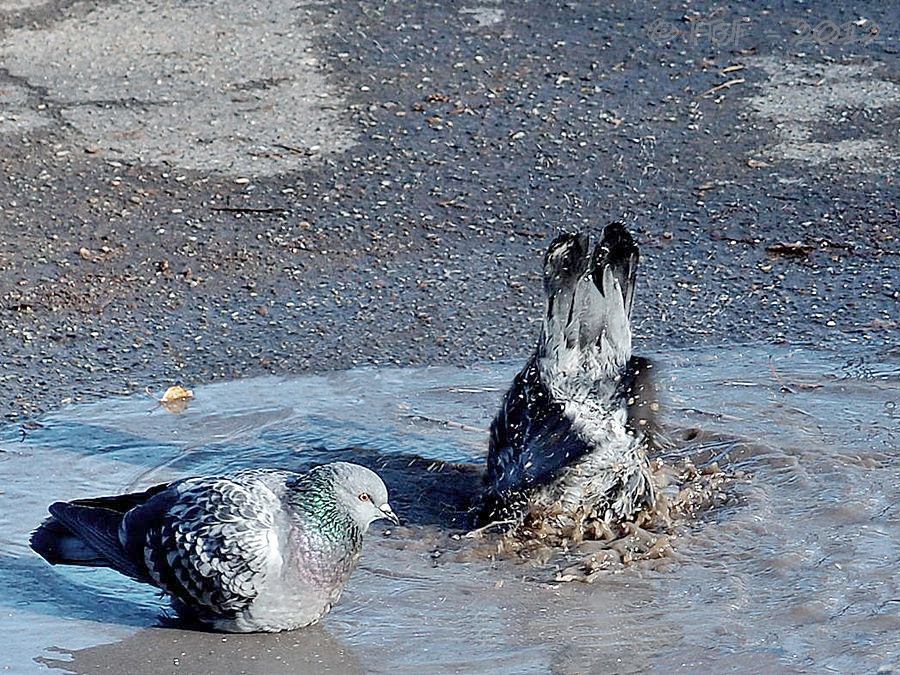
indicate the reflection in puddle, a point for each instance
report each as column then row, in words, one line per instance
column 796, row 571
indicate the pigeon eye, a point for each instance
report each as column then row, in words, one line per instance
column 364, row 496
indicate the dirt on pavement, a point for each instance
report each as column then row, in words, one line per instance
column 191, row 192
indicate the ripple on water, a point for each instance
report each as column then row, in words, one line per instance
column 797, row 569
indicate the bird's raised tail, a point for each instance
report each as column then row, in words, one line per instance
column 586, row 328
column 86, row 532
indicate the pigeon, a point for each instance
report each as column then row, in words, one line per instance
column 259, row 550
column 568, row 439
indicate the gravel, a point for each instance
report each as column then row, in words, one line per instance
column 430, row 152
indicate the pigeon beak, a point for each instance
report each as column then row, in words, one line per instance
column 389, row 513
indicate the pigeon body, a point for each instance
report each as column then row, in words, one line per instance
column 568, row 440
column 257, row 550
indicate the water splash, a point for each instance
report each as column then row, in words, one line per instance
column 796, row 570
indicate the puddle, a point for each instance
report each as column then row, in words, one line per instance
column 798, row 571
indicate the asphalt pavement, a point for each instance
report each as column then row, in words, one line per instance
column 198, row 191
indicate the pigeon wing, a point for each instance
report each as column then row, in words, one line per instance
column 209, row 542
column 531, row 438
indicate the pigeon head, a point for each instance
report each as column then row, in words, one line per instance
column 362, row 492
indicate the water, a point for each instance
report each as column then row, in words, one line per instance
column 797, row 572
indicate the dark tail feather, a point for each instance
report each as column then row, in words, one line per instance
column 607, row 309
column 83, row 535
column 565, row 267
column 565, row 262
column 56, row 544
column 86, row 531
column 121, row 503
column 618, row 252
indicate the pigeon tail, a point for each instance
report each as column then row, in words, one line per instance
column 586, row 333
column 56, row 544
column 86, row 532
column 618, row 253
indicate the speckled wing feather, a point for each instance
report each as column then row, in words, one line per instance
column 209, row 542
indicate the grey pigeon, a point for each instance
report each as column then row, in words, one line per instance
column 567, row 439
column 257, row 550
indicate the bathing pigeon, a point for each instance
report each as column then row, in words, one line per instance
column 568, row 439
column 257, row 550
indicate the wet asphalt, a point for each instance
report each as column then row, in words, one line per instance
column 465, row 137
